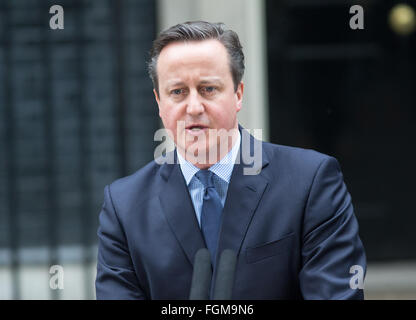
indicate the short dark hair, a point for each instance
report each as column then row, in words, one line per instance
column 199, row 31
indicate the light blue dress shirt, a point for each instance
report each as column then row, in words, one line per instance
column 222, row 169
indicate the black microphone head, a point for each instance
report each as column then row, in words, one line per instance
column 202, row 276
column 225, row 275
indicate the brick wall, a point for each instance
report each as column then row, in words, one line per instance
column 76, row 112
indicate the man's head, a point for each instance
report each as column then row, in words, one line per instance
column 199, row 31
column 196, row 69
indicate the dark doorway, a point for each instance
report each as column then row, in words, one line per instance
column 350, row 94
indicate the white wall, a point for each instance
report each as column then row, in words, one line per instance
column 35, row 275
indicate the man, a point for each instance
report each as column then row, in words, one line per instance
column 291, row 222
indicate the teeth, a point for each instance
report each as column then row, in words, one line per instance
column 196, row 128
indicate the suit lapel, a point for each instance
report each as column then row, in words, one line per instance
column 243, row 196
column 179, row 211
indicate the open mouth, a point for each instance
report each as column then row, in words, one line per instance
column 196, row 128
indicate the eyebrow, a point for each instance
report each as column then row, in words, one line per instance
column 174, row 83
column 210, row 80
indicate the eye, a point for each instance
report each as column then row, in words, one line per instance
column 208, row 89
column 176, row 92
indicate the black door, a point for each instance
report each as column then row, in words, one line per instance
column 351, row 94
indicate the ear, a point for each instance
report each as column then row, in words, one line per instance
column 239, row 95
column 157, row 99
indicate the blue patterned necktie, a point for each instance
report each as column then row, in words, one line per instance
column 211, row 212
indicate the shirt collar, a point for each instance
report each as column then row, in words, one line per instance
column 222, row 168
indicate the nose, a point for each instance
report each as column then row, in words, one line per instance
column 195, row 106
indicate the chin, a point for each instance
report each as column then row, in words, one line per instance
column 202, row 156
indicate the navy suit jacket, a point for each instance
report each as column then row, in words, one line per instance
column 292, row 226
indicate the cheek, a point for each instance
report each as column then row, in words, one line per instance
column 170, row 116
column 226, row 112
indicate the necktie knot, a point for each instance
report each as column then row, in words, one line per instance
column 206, row 178
column 211, row 212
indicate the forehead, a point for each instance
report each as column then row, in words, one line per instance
column 203, row 58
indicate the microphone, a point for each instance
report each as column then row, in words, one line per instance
column 225, row 275
column 202, row 275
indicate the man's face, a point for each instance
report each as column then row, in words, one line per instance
column 196, row 87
